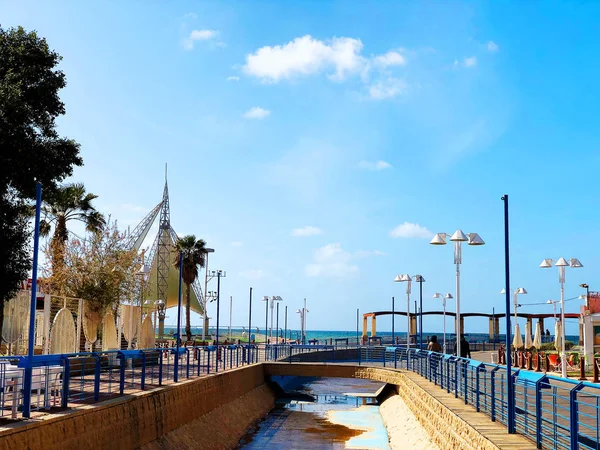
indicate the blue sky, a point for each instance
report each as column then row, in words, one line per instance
column 342, row 121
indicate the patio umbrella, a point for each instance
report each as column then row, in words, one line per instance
column 537, row 339
column 528, row 343
column 518, row 339
column 557, row 336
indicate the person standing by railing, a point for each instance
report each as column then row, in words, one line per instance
column 434, row 345
column 465, row 350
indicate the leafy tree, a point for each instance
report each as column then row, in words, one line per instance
column 97, row 269
column 70, row 202
column 193, row 252
column 30, row 147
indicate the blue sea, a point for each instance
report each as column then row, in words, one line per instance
column 322, row 335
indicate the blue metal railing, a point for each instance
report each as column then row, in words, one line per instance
column 553, row 412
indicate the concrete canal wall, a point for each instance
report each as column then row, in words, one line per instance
column 206, row 413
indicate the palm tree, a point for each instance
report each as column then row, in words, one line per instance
column 69, row 202
column 192, row 252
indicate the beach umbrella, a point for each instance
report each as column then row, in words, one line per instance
column 537, row 339
column 528, row 342
column 557, row 336
column 518, row 339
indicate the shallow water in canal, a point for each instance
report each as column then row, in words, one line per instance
column 344, row 414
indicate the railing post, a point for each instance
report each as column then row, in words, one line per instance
column 595, row 367
column 538, row 414
column 96, row 378
column 574, row 416
column 582, row 368
column 456, row 378
column 160, row 366
column 477, row 389
column 493, row 392
column 143, row 383
column 465, row 382
column 66, row 380
column 121, row 373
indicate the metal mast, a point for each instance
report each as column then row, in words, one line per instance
column 163, row 253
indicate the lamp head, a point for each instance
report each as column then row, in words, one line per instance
column 584, row 285
column 546, row 263
column 265, row 299
column 549, row 302
column 475, row 239
column 403, row 277
column 503, row 291
column 561, row 262
column 575, row 263
column 521, row 291
column 459, row 236
column 448, row 295
column 437, row 295
column 419, row 279
column 439, row 239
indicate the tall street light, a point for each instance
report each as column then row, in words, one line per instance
column 458, row 238
column 204, row 302
column 562, row 264
column 444, row 298
column 516, row 305
column 272, row 300
column 587, row 293
column 302, row 313
column 418, row 278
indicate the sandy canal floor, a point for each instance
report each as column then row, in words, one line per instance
column 404, row 430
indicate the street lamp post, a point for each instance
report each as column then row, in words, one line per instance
column 160, row 310
column 587, row 293
column 515, row 293
column 302, row 313
column 458, row 238
column 273, row 299
column 562, row 264
column 444, row 298
column 419, row 279
column 204, row 302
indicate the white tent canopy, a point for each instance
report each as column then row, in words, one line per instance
column 558, row 336
column 537, row 339
column 518, row 339
column 528, row 341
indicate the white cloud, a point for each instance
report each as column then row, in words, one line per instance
column 233, row 78
column 467, row 62
column 377, row 165
column 387, row 88
column 198, row 35
column 367, row 253
column 492, row 47
column 253, row 274
column 190, row 15
column 306, row 56
column 390, row 59
column 331, row 261
column 470, row 62
column 256, row 113
column 411, row 230
column 306, row 231
column 236, row 244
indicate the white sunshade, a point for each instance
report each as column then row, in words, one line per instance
column 537, row 339
column 558, row 336
column 528, row 341
column 518, row 339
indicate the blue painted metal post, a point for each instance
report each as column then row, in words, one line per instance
column 574, row 416
column 97, row 378
column 493, row 392
column 510, row 387
column 28, row 374
column 177, row 336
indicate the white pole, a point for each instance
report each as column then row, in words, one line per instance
column 444, row 325
column 562, row 319
column 408, row 315
column 457, row 326
column 129, row 342
column 230, row 305
column 304, row 321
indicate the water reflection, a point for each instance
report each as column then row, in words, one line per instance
column 345, row 414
